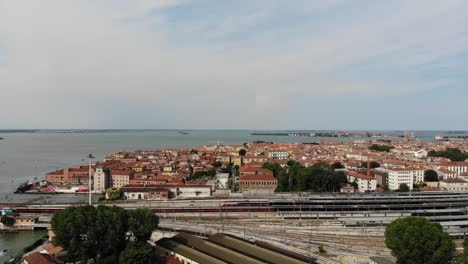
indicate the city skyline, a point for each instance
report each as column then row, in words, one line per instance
column 335, row 65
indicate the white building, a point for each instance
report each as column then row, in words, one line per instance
column 194, row 191
column 420, row 154
column 454, row 184
column 418, row 176
column 398, row 176
column 100, row 180
column 446, row 173
column 278, row 154
column 364, row 183
column 459, row 167
column 222, row 180
column 401, row 174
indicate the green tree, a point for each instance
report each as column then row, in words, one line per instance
column 453, row 154
column 377, row 147
column 73, row 231
column 141, row 223
column 211, row 172
column 217, row 164
column 403, row 187
column 431, row 176
column 274, row 167
column 7, row 220
column 100, row 233
column 415, row 240
column 139, row 253
column 198, row 174
column 108, row 233
column 373, row 164
column 113, row 193
column 242, row 152
column 337, row 165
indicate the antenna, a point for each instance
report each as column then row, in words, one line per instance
column 90, row 157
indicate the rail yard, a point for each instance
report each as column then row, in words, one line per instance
column 343, row 223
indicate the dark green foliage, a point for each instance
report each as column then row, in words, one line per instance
column 385, row 148
column 7, row 220
column 373, row 164
column 33, row 245
column 217, row 164
column 99, row 233
column 274, row 167
column 211, row 172
column 431, row 176
column 242, row 152
column 139, row 253
column 415, row 240
column 141, row 223
column 337, row 165
column 318, row 178
column 453, row 154
column 403, row 187
column 198, row 174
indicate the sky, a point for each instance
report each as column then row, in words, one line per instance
column 234, row 64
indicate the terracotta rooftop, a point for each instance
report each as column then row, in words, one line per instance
column 38, row 258
column 257, row 177
column 446, row 171
column 453, row 180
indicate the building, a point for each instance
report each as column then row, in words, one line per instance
column 266, row 182
column 19, row 222
column 278, row 154
column 458, row 167
column 221, row 248
column 365, row 183
column 173, row 191
column 143, row 192
column 454, row 184
column 119, row 178
column 445, row 173
column 193, row 190
column 348, row 188
column 40, row 258
column 398, row 176
column 101, row 180
column 250, row 170
column 420, row 154
column 222, row 180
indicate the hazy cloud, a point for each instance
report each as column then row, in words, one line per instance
column 228, row 64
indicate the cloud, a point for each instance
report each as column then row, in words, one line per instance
column 191, row 63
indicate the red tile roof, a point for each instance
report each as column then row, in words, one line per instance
column 38, row 258
column 453, row 180
column 446, row 171
column 359, row 175
column 52, row 249
column 257, row 177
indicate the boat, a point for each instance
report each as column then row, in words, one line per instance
column 183, row 133
column 26, row 186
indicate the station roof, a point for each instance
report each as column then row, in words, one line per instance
column 254, row 251
column 187, row 252
column 214, row 250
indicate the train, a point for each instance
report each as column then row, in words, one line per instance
column 220, row 209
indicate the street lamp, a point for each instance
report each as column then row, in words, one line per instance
column 90, row 157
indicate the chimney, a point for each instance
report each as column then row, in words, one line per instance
column 368, row 167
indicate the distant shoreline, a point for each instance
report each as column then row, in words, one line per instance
column 253, row 131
